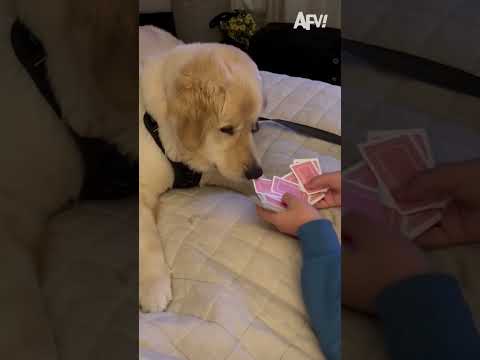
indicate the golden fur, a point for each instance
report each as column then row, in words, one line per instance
column 206, row 99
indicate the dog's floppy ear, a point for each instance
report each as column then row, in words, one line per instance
column 196, row 102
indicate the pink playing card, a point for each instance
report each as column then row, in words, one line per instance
column 362, row 175
column 315, row 198
column 273, row 202
column 281, row 186
column 290, row 177
column 416, row 224
column 361, row 200
column 419, row 136
column 262, row 185
column 304, row 172
column 395, row 161
column 315, row 162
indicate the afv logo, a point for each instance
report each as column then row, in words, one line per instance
column 305, row 20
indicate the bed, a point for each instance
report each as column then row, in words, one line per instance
column 235, row 279
column 236, row 296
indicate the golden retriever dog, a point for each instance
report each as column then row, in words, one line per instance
column 206, row 99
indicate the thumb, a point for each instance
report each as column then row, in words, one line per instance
column 428, row 185
column 290, row 200
column 323, row 181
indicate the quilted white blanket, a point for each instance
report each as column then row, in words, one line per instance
column 236, row 294
column 236, row 279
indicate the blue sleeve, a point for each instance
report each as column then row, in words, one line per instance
column 321, row 283
column 426, row 317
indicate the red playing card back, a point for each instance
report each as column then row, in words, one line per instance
column 361, row 200
column 281, row 186
column 362, row 175
column 291, row 177
column 394, row 161
column 262, row 185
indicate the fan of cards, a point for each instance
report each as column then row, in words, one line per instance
column 391, row 159
column 271, row 191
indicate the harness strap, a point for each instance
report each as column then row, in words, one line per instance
column 184, row 176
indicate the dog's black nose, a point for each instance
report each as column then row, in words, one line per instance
column 253, row 172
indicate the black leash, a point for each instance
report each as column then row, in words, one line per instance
column 308, row 131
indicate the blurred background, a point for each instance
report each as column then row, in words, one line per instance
column 273, row 43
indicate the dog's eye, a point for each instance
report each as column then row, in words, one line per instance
column 255, row 127
column 227, row 130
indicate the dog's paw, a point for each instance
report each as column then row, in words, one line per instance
column 155, row 294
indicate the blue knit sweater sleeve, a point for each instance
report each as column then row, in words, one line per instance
column 321, row 283
column 426, row 317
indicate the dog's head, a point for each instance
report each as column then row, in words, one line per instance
column 214, row 103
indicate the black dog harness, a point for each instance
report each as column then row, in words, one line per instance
column 184, row 176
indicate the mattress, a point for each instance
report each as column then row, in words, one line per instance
column 221, row 310
column 236, row 288
column 235, row 279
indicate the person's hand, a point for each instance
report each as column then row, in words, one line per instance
column 332, row 181
column 298, row 212
column 373, row 257
column 461, row 218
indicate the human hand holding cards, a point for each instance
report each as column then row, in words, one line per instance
column 295, row 213
column 391, row 160
column 271, row 191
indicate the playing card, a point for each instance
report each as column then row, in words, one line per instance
column 315, row 161
column 313, row 199
column 364, row 201
column 290, row 177
column 273, row 203
column 281, row 186
column 395, row 161
column 361, row 175
column 304, row 172
column 419, row 136
column 416, row 224
column 262, row 201
column 262, row 185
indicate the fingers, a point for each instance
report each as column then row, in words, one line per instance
column 291, row 201
column 331, row 180
column 434, row 238
column 426, row 185
column 322, row 204
column 266, row 215
column 449, row 179
column 449, row 232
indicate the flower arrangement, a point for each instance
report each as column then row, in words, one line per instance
column 237, row 27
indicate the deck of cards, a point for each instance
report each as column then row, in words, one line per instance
column 391, row 159
column 271, row 191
